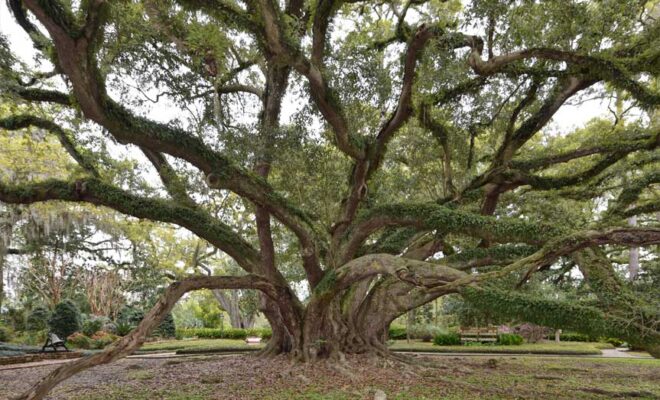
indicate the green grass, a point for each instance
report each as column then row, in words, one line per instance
column 198, row 345
column 570, row 348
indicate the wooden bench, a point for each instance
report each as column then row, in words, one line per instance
column 478, row 334
column 53, row 341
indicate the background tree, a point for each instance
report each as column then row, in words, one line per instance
column 417, row 159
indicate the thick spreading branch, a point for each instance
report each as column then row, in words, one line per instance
column 97, row 192
column 556, row 248
column 77, row 61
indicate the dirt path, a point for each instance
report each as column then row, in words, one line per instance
column 621, row 353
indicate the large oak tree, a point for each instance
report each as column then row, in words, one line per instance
column 417, row 137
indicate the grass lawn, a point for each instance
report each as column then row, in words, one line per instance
column 193, row 346
column 198, row 346
column 453, row 378
column 570, row 348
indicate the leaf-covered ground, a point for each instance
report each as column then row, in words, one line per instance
column 449, row 377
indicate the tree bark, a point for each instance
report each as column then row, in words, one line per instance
column 633, row 261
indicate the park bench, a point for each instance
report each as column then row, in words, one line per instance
column 253, row 340
column 488, row 334
column 53, row 341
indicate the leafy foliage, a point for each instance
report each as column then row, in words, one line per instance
column 65, row 319
column 509, row 339
column 38, row 319
column 447, row 339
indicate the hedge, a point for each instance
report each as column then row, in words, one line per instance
column 231, row 333
column 397, row 332
column 509, row 339
column 447, row 339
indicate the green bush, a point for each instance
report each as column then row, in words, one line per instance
column 65, row 319
column 425, row 333
column 38, row 319
column 79, row 340
column 102, row 339
column 574, row 337
column 91, row 326
column 231, row 333
column 397, row 332
column 613, row 341
column 509, row 339
column 123, row 328
column 130, row 315
column 234, row 333
column 166, row 329
column 33, row 338
column 447, row 339
column 266, row 333
column 109, row 326
column 6, row 334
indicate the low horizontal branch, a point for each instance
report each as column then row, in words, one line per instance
column 95, row 191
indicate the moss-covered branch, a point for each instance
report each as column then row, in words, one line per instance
column 565, row 245
column 633, row 143
column 95, row 191
column 431, row 216
column 561, row 314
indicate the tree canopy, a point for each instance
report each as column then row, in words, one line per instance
column 356, row 159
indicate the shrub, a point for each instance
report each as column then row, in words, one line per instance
column 37, row 320
column 79, row 340
column 109, row 326
column 613, row 341
column 6, row 334
column 266, row 333
column 574, row 337
column 91, row 326
column 509, row 339
column 130, row 315
column 447, row 339
column 425, row 332
column 123, row 328
column 65, row 319
column 101, row 339
column 166, row 329
column 234, row 333
column 34, row 338
column 397, row 332
column 231, row 333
